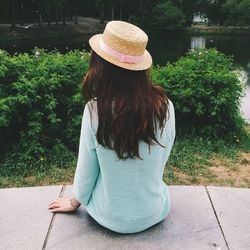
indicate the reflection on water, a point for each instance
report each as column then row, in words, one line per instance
column 245, row 106
column 245, row 101
column 198, row 42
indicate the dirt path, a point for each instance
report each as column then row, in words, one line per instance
column 222, row 172
column 85, row 26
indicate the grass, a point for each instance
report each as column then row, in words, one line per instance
column 39, row 173
column 202, row 162
column 54, row 176
column 193, row 161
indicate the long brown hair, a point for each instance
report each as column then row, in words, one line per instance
column 128, row 105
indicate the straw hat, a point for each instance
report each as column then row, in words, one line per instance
column 124, row 45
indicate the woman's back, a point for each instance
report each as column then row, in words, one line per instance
column 127, row 133
column 129, row 195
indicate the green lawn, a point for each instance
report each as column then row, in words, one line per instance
column 193, row 161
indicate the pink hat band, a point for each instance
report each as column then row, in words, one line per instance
column 120, row 56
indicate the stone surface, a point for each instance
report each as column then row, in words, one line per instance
column 232, row 206
column 190, row 225
column 24, row 217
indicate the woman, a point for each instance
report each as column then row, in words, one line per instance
column 128, row 130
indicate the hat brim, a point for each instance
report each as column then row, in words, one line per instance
column 146, row 63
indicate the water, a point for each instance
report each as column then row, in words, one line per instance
column 245, row 101
column 163, row 48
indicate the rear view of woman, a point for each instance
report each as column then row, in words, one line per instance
column 127, row 133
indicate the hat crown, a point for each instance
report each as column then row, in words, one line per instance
column 125, row 38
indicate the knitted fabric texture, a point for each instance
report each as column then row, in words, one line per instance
column 124, row 196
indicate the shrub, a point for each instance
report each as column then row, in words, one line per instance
column 40, row 101
column 41, row 104
column 206, row 93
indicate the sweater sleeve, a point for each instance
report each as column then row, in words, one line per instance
column 87, row 169
column 172, row 121
column 170, row 129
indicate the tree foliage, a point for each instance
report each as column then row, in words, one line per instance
column 164, row 15
column 147, row 13
column 206, row 93
column 238, row 12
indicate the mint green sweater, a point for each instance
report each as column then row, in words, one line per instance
column 124, row 196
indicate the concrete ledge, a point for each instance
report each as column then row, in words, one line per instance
column 24, row 217
column 200, row 218
column 232, row 206
column 191, row 224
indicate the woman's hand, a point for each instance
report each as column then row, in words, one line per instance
column 61, row 205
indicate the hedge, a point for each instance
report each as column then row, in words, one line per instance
column 206, row 93
column 41, row 104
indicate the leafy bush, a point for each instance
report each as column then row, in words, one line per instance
column 206, row 93
column 41, row 104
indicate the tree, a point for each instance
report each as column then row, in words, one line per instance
column 166, row 15
column 244, row 8
column 188, row 7
column 237, row 12
column 215, row 12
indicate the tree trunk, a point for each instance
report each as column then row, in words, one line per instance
column 49, row 18
column 40, row 18
column 113, row 12
column 120, row 10
column 75, row 10
column 102, row 13
column 64, row 17
column 21, row 14
column 120, row 14
column 13, row 24
column 40, row 13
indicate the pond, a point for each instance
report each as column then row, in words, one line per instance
column 164, row 47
